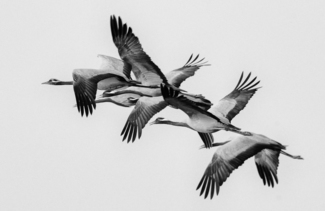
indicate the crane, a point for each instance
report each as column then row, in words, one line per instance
column 232, row 153
column 219, row 115
column 147, row 106
column 135, row 59
column 86, row 82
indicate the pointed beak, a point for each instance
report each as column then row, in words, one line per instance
column 45, row 82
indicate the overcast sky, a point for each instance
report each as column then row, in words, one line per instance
column 52, row 159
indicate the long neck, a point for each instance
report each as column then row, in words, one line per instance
column 65, row 83
column 125, row 92
column 180, row 124
column 110, row 100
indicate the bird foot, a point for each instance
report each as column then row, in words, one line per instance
column 292, row 156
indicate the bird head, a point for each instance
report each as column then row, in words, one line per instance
column 157, row 121
column 132, row 99
column 52, row 81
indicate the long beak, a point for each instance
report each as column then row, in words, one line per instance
column 45, row 82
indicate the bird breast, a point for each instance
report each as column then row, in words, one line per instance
column 204, row 124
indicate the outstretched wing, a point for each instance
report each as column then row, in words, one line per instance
column 145, row 108
column 216, row 174
column 176, row 77
column 108, row 62
column 85, row 92
column 179, row 101
column 133, row 56
column 226, row 159
column 267, row 162
column 87, row 81
column 236, row 101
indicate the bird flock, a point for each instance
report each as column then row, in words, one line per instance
column 152, row 91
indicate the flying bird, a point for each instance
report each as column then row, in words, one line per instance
column 232, row 153
column 135, row 59
column 152, row 91
column 128, row 96
column 86, row 82
column 148, row 73
column 147, row 106
column 221, row 114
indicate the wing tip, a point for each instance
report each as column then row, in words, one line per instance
column 193, row 62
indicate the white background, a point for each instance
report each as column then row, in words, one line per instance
column 52, row 159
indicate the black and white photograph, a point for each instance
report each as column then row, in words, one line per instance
column 162, row 105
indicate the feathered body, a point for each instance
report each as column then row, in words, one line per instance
column 234, row 152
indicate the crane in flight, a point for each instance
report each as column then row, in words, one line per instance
column 218, row 116
column 135, row 59
column 232, row 153
column 87, row 81
column 128, row 96
column 146, row 106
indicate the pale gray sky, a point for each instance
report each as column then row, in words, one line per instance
column 52, row 159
